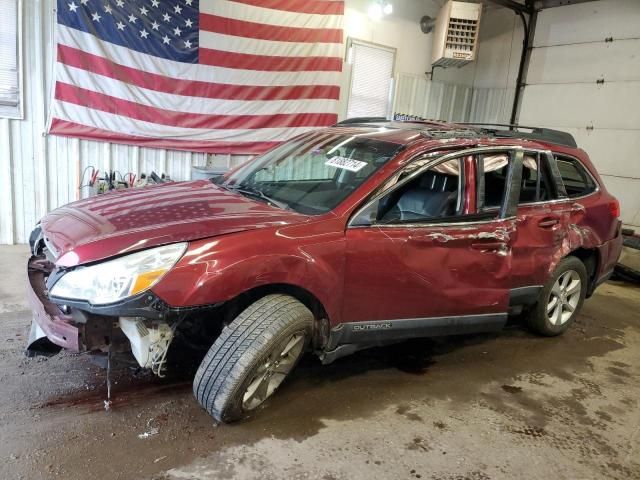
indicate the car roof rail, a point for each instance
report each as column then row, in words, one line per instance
column 353, row 120
column 442, row 129
column 537, row 133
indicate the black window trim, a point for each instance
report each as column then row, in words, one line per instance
column 555, row 180
column 514, row 170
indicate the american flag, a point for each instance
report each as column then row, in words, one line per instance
column 216, row 76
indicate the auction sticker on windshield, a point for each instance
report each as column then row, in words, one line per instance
column 346, row 163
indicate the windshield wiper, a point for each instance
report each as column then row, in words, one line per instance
column 257, row 193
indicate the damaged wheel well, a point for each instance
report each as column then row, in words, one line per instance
column 590, row 258
column 230, row 309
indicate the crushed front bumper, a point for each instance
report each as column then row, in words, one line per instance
column 78, row 326
column 58, row 327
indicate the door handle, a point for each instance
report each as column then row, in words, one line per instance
column 488, row 245
column 548, row 222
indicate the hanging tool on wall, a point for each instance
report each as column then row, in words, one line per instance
column 114, row 180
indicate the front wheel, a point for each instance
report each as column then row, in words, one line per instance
column 252, row 356
column 561, row 299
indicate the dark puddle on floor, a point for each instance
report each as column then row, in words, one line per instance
column 131, row 395
column 131, row 386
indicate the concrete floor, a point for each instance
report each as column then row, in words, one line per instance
column 508, row 405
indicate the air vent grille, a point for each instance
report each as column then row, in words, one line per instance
column 456, row 34
column 461, row 34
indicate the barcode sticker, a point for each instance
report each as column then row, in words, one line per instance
column 346, row 163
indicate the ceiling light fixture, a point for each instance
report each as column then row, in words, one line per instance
column 379, row 8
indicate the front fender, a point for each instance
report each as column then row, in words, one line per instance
column 219, row 269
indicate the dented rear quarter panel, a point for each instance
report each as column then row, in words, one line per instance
column 590, row 223
column 585, row 223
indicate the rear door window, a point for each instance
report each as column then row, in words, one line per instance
column 536, row 184
column 493, row 174
column 577, row 181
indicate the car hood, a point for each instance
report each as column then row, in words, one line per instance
column 128, row 220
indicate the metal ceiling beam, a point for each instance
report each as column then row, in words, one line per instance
column 515, row 6
column 525, row 57
column 541, row 4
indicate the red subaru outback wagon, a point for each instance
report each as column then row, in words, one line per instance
column 362, row 234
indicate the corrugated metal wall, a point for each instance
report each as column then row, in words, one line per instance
column 491, row 105
column 414, row 95
column 39, row 173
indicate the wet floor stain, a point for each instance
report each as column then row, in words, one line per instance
column 472, row 475
column 619, row 372
column 511, row 388
column 419, row 443
column 405, row 411
column 440, row 425
column 529, row 431
column 129, row 396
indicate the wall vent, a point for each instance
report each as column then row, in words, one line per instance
column 455, row 40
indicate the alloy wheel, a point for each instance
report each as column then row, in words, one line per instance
column 564, row 297
column 273, row 371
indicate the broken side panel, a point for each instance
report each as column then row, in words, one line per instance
column 431, row 271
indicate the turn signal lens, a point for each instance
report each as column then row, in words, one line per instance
column 146, row 280
column 614, row 208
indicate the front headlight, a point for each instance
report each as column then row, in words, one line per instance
column 123, row 277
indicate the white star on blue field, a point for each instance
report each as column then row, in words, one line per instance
column 166, row 29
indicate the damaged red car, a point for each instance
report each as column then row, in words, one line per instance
column 363, row 234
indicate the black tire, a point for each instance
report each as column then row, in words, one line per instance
column 631, row 241
column 243, row 348
column 537, row 319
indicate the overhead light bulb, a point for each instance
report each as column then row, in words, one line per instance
column 387, row 9
column 375, row 11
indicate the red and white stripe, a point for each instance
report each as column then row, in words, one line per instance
column 269, row 70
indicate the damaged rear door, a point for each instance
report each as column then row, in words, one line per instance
column 430, row 256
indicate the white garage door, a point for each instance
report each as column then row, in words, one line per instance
column 584, row 78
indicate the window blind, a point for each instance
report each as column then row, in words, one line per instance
column 372, row 71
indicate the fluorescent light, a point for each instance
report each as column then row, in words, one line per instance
column 387, row 9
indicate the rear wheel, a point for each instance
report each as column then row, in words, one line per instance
column 561, row 298
column 252, row 357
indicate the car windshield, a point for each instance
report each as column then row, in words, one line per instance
column 314, row 173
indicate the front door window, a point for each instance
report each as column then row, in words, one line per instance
column 434, row 196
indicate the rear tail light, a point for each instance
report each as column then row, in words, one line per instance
column 614, row 208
